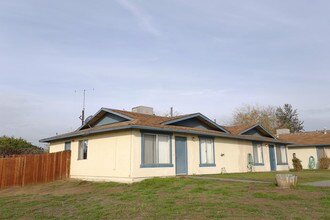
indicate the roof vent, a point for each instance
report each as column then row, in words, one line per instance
column 144, row 110
column 282, row 131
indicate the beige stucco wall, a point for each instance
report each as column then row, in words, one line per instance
column 116, row 156
column 303, row 154
column 108, row 158
column 235, row 157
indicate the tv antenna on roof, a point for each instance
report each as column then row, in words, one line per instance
column 82, row 116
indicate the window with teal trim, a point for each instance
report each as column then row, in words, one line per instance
column 67, row 145
column 156, row 150
column 281, row 155
column 206, row 152
column 258, row 154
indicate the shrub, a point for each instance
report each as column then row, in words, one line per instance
column 296, row 164
column 324, row 162
column 11, row 145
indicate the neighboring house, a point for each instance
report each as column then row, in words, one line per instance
column 123, row 146
column 308, row 146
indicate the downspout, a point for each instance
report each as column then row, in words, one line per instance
column 131, row 153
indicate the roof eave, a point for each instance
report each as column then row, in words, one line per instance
column 205, row 133
column 83, row 133
column 308, row 145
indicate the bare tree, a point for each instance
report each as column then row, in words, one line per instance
column 256, row 114
column 167, row 113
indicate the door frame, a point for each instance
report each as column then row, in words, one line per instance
column 186, row 155
column 271, row 149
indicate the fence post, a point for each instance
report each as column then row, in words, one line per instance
column 23, row 170
column 68, row 164
column 1, row 173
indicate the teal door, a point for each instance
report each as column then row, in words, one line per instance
column 181, row 161
column 272, row 158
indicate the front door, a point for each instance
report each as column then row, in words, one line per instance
column 181, row 162
column 272, row 158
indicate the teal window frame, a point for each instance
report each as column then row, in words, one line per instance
column 147, row 165
column 201, row 138
column 67, row 145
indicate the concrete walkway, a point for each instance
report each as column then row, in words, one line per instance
column 227, row 179
column 324, row 183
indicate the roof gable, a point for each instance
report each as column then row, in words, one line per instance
column 109, row 118
column 196, row 121
column 105, row 116
column 257, row 130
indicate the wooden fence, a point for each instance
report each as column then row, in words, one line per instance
column 20, row 170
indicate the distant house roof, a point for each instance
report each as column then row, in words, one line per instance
column 310, row 138
column 133, row 120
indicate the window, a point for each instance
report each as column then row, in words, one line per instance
column 258, row 154
column 156, row 150
column 67, row 145
column 323, row 152
column 206, row 152
column 281, row 155
column 82, row 151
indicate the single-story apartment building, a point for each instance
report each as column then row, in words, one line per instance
column 128, row 146
column 309, row 147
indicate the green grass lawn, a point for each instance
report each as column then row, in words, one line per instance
column 168, row 198
column 303, row 176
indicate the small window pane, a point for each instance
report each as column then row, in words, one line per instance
column 67, row 146
column 278, row 155
column 327, row 151
column 149, row 149
column 257, row 152
column 206, row 150
column 209, row 147
column 83, row 149
column 260, row 153
column 203, row 151
column 163, row 149
column 320, row 152
column 281, row 154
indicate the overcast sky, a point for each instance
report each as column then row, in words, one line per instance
column 197, row 56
